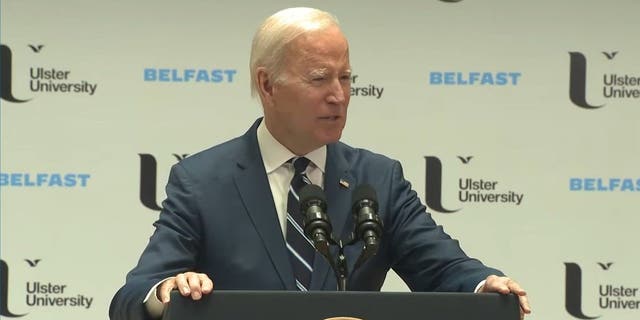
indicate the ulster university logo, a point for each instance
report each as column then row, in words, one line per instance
column 148, row 179
column 6, row 75
column 39, row 294
column 578, row 81
column 614, row 85
column 433, row 186
column 42, row 79
column 470, row 189
column 4, row 292
column 610, row 296
column 573, row 291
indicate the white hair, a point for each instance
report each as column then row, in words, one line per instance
column 276, row 32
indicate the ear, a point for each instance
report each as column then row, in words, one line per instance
column 264, row 85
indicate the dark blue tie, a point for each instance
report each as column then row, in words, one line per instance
column 301, row 251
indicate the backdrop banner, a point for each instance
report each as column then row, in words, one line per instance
column 516, row 122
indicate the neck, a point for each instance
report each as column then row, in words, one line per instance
column 287, row 140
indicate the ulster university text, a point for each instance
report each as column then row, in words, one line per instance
column 53, row 80
column 485, row 191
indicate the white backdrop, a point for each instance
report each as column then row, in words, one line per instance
column 78, row 236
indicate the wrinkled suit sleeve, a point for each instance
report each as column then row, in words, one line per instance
column 172, row 249
column 423, row 255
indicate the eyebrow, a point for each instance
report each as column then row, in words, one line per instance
column 318, row 72
column 321, row 72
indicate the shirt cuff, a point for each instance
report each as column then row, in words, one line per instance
column 154, row 306
column 479, row 286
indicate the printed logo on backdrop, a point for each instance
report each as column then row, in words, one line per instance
column 615, row 86
column 611, row 184
column 4, row 292
column 365, row 90
column 189, row 75
column 49, row 79
column 611, row 296
column 44, row 179
column 6, row 77
column 41, row 294
column 475, row 78
column 470, row 189
column 148, row 179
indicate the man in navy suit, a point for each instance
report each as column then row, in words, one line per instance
column 223, row 223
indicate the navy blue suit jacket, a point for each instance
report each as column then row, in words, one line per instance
column 219, row 218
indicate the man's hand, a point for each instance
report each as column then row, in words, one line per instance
column 505, row 285
column 188, row 283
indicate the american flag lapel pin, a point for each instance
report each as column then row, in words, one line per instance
column 344, row 183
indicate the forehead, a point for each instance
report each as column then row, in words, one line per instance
column 328, row 48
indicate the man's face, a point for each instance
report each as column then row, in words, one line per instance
column 308, row 108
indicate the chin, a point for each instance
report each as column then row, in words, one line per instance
column 331, row 138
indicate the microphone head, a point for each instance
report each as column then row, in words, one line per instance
column 364, row 192
column 312, row 194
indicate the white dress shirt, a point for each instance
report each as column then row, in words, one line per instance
column 280, row 173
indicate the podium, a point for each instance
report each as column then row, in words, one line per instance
column 321, row 305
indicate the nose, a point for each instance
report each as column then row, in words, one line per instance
column 337, row 91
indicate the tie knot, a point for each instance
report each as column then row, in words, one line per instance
column 299, row 164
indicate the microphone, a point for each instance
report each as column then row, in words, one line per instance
column 317, row 227
column 368, row 226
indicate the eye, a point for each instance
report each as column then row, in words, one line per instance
column 345, row 78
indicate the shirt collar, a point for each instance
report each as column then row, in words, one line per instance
column 274, row 154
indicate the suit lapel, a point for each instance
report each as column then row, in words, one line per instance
column 253, row 187
column 338, row 185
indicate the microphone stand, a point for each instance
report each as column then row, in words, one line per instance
column 341, row 272
column 339, row 264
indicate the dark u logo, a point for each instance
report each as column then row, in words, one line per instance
column 578, row 81
column 148, row 179
column 5, row 76
column 433, row 187
column 573, row 291
column 4, row 292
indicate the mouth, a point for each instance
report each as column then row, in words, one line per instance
column 330, row 118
